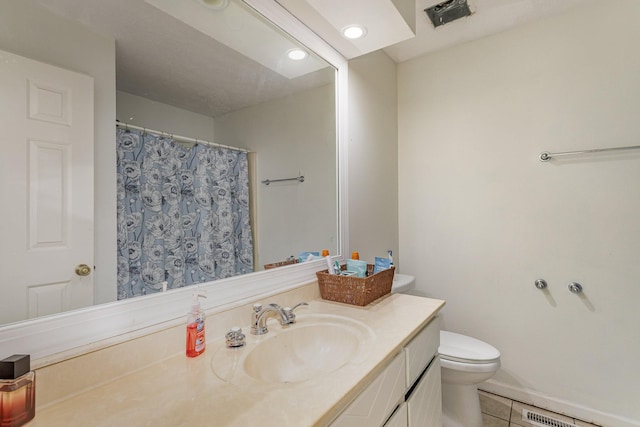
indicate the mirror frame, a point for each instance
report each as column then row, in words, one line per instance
column 54, row 338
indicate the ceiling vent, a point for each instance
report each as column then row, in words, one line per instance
column 447, row 11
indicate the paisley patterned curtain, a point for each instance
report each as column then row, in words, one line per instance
column 183, row 214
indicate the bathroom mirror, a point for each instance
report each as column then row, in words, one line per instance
column 272, row 87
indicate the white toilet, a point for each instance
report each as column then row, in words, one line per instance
column 465, row 362
column 402, row 283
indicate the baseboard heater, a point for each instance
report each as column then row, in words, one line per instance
column 543, row 420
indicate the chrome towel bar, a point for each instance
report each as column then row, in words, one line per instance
column 545, row 156
column 297, row 178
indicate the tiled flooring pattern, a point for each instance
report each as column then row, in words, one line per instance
column 498, row 411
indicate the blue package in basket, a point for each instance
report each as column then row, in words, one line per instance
column 308, row 256
column 381, row 264
column 358, row 267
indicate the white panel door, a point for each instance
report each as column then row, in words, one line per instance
column 46, row 188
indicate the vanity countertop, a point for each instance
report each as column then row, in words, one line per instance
column 183, row 391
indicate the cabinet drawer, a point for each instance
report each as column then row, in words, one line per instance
column 374, row 405
column 421, row 349
column 425, row 404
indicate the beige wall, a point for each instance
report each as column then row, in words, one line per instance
column 29, row 30
column 373, row 157
column 481, row 218
column 155, row 115
column 291, row 136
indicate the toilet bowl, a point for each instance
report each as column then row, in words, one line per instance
column 465, row 362
column 402, row 283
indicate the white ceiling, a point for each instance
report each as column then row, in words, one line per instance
column 160, row 57
column 489, row 17
column 238, row 28
column 404, row 31
column 386, row 21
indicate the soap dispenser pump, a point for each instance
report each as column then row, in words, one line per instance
column 196, row 343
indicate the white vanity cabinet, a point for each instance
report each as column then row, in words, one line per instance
column 400, row 418
column 424, row 406
column 373, row 406
column 407, row 393
column 424, row 395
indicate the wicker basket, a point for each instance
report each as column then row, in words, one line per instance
column 280, row 264
column 355, row 290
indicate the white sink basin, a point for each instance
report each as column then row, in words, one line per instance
column 302, row 353
column 314, row 346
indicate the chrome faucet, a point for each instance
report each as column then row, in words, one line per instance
column 260, row 315
column 288, row 311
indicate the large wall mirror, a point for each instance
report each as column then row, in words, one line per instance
column 208, row 71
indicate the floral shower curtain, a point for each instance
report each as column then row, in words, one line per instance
column 183, row 214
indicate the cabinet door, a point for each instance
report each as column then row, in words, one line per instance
column 399, row 418
column 378, row 400
column 425, row 403
column 421, row 349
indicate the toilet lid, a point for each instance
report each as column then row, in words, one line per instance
column 466, row 349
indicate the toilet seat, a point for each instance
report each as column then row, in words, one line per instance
column 463, row 349
column 469, row 367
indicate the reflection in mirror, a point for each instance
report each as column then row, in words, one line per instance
column 161, row 66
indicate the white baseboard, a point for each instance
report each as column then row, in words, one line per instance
column 560, row 406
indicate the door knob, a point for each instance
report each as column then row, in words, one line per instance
column 83, row 270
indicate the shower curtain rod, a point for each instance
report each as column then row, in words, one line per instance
column 179, row 137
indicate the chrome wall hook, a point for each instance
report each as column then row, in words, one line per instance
column 574, row 287
column 541, row 284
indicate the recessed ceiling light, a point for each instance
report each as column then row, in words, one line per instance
column 354, row 32
column 297, row 54
column 215, row 4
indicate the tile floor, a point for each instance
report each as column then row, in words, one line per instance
column 498, row 411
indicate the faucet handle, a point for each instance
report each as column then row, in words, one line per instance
column 257, row 308
column 288, row 312
column 235, row 337
column 299, row 304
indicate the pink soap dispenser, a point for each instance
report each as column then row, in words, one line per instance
column 196, row 343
